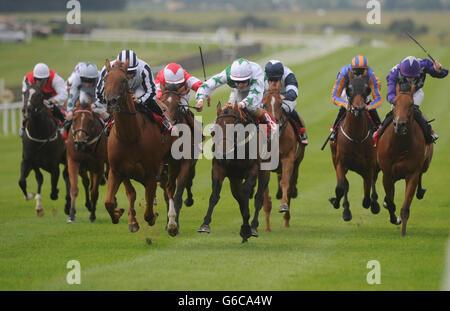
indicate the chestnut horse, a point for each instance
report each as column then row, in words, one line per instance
column 135, row 149
column 236, row 170
column 42, row 147
column 403, row 154
column 291, row 152
column 354, row 149
column 86, row 152
column 181, row 171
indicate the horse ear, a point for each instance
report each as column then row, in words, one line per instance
column 219, row 108
column 397, row 89
column 413, row 89
column 278, row 85
column 108, row 65
column 162, row 87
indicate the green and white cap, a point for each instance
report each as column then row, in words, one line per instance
column 240, row 70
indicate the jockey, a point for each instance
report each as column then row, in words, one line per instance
column 53, row 86
column 276, row 71
column 247, row 82
column 82, row 84
column 410, row 71
column 358, row 68
column 140, row 79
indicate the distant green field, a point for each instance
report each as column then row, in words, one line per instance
column 318, row 252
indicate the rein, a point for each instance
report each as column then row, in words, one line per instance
column 41, row 140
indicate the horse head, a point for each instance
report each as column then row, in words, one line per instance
column 33, row 101
column 116, row 84
column 83, row 124
column 357, row 91
column 170, row 102
column 403, row 108
column 272, row 100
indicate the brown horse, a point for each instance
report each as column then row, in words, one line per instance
column 237, row 169
column 135, row 149
column 86, row 152
column 291, row 152
column 181, row 171
column 403, row 154
column 354, row 150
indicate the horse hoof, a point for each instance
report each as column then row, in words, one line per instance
column 88, row 206
column 396, row 221
column 279, row 194
column 283, row 208
column 255, row 232
column 366, row 202
column 134, row 227
column 333, row 202
column 172, row 229
column 347, row 215
column 374, row 207
column 188, row 202
column 246, row 232
column 267, row 230
column 67, row 209
column 40, row 212
column 151, row 220
column 54, row 195
column 420, row 193
column 92, row 218
column 70, row 220
column 29, row 196
column 204, row 228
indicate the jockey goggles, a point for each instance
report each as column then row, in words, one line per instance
column 358, row 71
column 242, row 82
column 87, row 80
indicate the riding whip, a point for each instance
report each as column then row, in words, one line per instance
column 203, row 62
column 412, row 38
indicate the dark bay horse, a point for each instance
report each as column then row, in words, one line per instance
column 86, row 153
column 181, row 171
column 236, row 169
column 135, row 149
column 354, row 149
column 42, row 147
column 291, row 152
column 403, row 154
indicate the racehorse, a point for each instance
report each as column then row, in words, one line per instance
column 403, row 154
column 181, row 172
column 354, row 149
column 86, row 152
column 135, row 149
column 42, row 147
column 291, row 152
column 236, row 170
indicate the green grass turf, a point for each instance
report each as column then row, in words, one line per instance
column 318, row 252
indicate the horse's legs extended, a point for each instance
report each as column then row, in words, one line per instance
column 96, row 179
column 263, row 181
column 67, row 182
column 368, row 182
column 279, row 191
column 420, row 191
column 110, row 202
column 340, row 187
column 267, row 205
column 40, row 181
column 287, row 165
column 411, row 185
column 133, row 225
column 86, row 182
column 54, row 181
column 150, row 190
column 389, row 189
column 217, row 180
column 242, row 198
column 173, row 208
column 346, row 204
column 189, row 201
column 184, row 177
column 25, row 169
column 374, row 206
column 74, row 168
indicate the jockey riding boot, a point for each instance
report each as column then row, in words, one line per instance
column 375, row 118
column 267, row 119
column 430, row 136
column 339, row 117
column 387, row 120
column 301, row 131
column 166, row 125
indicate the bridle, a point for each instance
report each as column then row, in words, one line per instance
column 115, row 102
column 75, row 131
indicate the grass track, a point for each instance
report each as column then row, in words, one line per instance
column 318, row 252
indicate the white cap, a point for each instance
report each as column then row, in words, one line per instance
column 240, row 70
column 89, row 70
column 41, row 71
column 173, row 73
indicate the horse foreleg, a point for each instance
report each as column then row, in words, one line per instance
column 242, row 198
column 267, row 205
column 110, row 202
column 217, row 180
column 189, row 201
column 174, row 170
column 374, row 206
column 340, row 187
column 263, row 181
column 40, row 181
column 54, row 181
column 25, row 170
column 96, row 180
column 411, row 185
column 287, row 168
column 150, row 190
column 420, row 191
column 279, row 194
column 73, row 168
column 389, row 189
column 86, row 182
column 368, row 182
column 67, row 183
column 184, row 178
column 133, row 225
